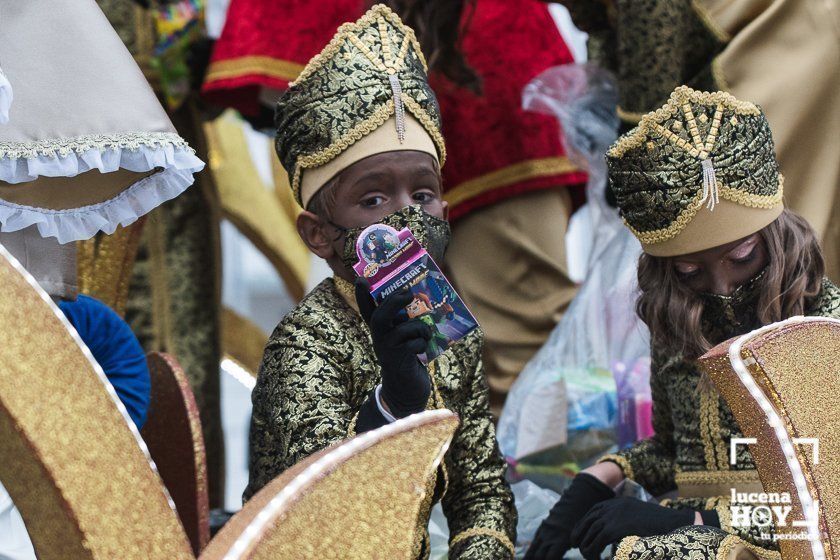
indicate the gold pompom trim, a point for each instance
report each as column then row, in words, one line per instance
column 732, row 541
column 680, row 98
column 482, row 532
column 738, row 196
column 622, row 462
column 349, row 30
column 625, row 548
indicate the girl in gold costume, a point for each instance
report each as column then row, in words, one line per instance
column 697, row 182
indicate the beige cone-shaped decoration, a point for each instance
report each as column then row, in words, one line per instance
column 781, row 383
column 87, row 145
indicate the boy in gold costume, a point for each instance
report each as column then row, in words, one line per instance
column 358, row 133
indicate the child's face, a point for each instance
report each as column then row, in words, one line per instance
column 721, row 270
column 381, row 184
column 416, row 308
column 366, row 192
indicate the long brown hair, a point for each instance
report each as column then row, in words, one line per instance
column 672, row 311
column 440, row 26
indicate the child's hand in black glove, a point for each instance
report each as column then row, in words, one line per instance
column 406, row 385
column 610, row 521
column 553, row 538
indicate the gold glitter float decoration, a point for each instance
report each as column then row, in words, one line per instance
column 785, row 375
column 72, row 460
column 176, row 444
column 357, row 500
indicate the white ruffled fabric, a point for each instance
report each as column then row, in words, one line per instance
column 19, row 165
column 5, row 97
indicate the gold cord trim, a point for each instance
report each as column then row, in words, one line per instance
column 506, row 176
column 681, row 96
column 625, row 548
column 708, row 412
column 245, row 65
column 629, row 116
column 734, row 195
column 350, row 30
column 482, row 532
column 622, row 462
column 710, row 22
column 732, row 541
column 351, row 428
column 332, row 151
column 428, row 123
column 716, row 477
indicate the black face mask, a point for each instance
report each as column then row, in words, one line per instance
column 431, row 232
column 738, row 309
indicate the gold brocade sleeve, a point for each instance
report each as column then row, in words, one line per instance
column 651, row 462
column 763, row 537
column 478, row 503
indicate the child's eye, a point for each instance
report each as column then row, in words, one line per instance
column 740, row 257
column 424, row 196
column 372, row 201
column 686, row 271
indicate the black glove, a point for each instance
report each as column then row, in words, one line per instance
column 406, row 385
column 553, row 538
column 612, row 520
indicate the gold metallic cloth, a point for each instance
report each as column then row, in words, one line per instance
column 252, row 206
column 794, row 365
column 357, row 500
column 105, row 263
column 72, row 460
column 173, row 435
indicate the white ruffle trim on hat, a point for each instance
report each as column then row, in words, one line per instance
column 5, row 97
column 138, row 152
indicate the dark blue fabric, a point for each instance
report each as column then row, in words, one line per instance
column 116, row 349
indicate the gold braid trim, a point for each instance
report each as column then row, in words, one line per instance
column 428, row 123
column 716, row 477
column 351, row 429
column 710, row 23
column 625, row 548
column 708, row 413
column 730, row 542
column 735, row 195
column 349, row 30
column 332, row 151
column 622, row 462
column 681, row 96
column 482, row 532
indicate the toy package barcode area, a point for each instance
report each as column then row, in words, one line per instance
column 392, row 260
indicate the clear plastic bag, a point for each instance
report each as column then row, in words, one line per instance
column 562, row 412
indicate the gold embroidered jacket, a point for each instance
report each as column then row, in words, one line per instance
column 690, row 450
column 319, row 368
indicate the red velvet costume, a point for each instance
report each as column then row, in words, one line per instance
column 495, row 149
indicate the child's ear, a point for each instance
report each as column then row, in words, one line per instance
column 313, row 232
column 445, row 206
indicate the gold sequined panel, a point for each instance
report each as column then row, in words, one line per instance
column 796, row 367
column 358, row 500
column 793, row 365
column 71, row 459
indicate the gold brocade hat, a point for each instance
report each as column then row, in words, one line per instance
column 697, row 173
column 367, row 92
